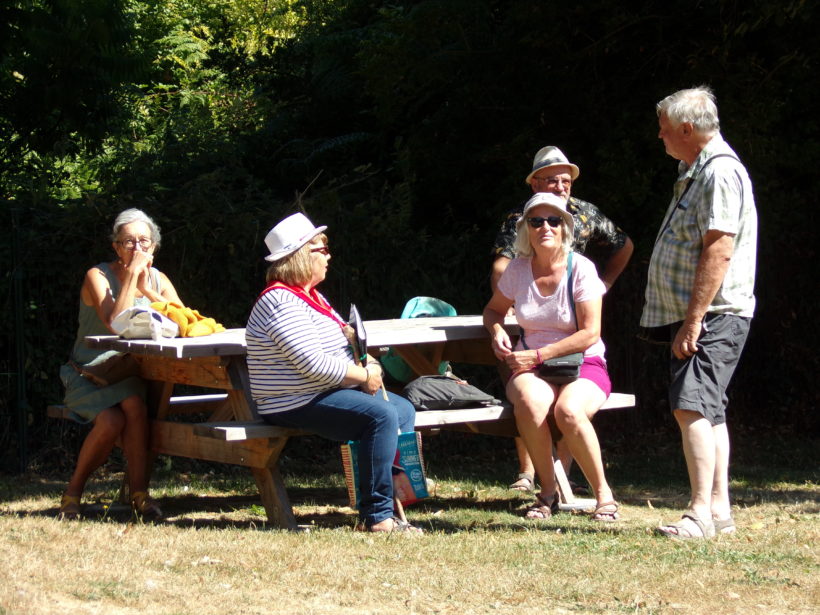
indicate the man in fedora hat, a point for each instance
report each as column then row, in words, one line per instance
column 607, row 245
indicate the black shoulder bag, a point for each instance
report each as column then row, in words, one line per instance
column 566, row 368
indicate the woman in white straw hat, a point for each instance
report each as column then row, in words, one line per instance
column 303, row 374
column 557, row 296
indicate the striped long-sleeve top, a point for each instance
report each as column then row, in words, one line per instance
column 294, row 352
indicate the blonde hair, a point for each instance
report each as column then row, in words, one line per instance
column 523, row 245
column 295, row 269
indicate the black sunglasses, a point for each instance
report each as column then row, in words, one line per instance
column 538, row 221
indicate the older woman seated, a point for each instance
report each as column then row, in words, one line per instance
column 303, row 373
column 553, row 324
column 118, row 410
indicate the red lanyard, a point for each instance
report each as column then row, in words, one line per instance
column 312, row 298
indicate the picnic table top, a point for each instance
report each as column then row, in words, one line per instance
column 380, row 333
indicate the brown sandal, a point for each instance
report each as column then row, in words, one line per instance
column 70, row 508
column 145, row 506
column 607, row 512
column 524, row 482
column 542, row 509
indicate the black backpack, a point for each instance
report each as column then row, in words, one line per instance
column 445, row 392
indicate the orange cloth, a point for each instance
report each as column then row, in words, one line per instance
column 191, row 322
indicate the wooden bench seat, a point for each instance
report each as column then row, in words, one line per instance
column 489, row 420
column 183, row 403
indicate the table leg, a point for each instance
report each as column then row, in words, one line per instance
column 417, row 361
column 274, row 497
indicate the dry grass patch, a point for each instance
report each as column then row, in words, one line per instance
column 214, row 554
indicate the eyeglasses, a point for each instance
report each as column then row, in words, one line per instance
column 323, row 250
column 130, row 243
column 538, row 221
column 552, row 182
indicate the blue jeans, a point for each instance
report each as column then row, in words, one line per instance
column 350, row 414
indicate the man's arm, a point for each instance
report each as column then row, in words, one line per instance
column 712, row 266
column 599, row 232
column 617, row 263
column 499, row 266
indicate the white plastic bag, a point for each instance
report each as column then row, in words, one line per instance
column 142, row 322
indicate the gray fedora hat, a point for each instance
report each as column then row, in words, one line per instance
column 551, row 156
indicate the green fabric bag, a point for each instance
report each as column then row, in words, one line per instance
column 417, row 307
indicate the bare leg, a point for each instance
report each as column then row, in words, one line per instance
column 576, row 402
column 562, row 447
column 700, row 450
column 525, row 467
column 135, row 442
column 532, row 399
column 564, row 454
column 721, row 507
column 96, row 448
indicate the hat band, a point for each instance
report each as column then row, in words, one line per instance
column 295, row 245
column 552, row 162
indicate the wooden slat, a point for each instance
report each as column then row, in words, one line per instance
column 180, row 439
column 233, row 431
column 400, row 331
column 433, row 418
column 227, row 343
column 58, row 412
column 209, row 372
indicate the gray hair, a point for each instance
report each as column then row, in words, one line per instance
column 136, row 215
column 695, row 106
column 522, row 245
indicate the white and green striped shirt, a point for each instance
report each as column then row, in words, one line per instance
column 720, row 198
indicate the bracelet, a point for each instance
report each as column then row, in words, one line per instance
column 367, row 378
column 538, row 354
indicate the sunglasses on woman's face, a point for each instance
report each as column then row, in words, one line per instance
column 538, row 221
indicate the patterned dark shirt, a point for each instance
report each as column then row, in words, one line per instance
column 595, row 234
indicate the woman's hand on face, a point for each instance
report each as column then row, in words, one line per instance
column 522, row 361
column 501, row 345
column 374, row 379
column 140, row 266
column 140, row 262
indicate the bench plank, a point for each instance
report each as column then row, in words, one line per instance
column 437, row 418
column 236, row 431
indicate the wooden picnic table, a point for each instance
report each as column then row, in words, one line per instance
column 233, row 432
column 217, row 361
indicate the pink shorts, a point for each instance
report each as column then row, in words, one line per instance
column 594, row 370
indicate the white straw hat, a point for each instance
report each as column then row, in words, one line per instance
column 551, row 156
column 552, row 201
column 289, row 235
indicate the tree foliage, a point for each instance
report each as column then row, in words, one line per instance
column 408, row 128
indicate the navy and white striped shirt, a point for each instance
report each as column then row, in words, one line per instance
column 294, row 352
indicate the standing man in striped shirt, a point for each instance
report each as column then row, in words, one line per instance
column 700, row 290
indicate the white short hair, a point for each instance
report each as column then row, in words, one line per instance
column 694, row 105
column 136, row 215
